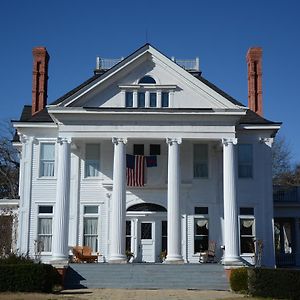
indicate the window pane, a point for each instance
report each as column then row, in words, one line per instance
column 247, row 211
column 128, row 227
column 129, row 99
column 47, row 151
column 146, row 231
column 200, row 160
column 141, row 99
column 201, row 210
column 90, row 226
column 154, row 149
column 147, row 79
column 45, row 209
column 245, row 160
column 45, row 234
column 247, row 245
column 91, row 209
column 47, row 157
column 92, row 162
column 200, row 234
column 90, row 233
column 138, row 149
column 165, row 99
column 153, row 100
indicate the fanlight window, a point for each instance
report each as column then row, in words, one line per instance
column 146, row 207
column 147, row 80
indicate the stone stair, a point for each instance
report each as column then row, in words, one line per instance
column 147, row 276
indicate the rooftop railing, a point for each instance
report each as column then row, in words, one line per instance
column 187, row 64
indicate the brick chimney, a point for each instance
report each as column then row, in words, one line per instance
column 254, row 62
column 39, row 79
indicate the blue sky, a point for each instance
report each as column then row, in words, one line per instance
column 218, row 31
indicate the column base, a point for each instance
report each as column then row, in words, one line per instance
column 174, row 259
column 234, row 261
column 118, row 259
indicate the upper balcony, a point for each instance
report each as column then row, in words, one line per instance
column 286, row 194
column 190, row 65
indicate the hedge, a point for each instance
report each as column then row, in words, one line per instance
column 28, row 277
column 239, row 280
column 277, row 283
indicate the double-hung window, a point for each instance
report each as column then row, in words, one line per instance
column 245, row 161
column 90, row 227
column 92, row 160
column 200, row 161
column 141, row 99
column 47, row 159
column 45, row 216
column 247, row 230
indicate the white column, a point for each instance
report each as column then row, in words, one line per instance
column 267, row 230
column 147, row 99
column 174, row 217
column 158, row 104
column 60, row 249
column 23, row 243
column 118, row 212
column 231, row 256
column 135, row 100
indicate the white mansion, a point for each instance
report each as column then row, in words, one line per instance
column 146, row 156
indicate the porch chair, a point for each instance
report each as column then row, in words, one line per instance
column 83, row 254
column 209, row 254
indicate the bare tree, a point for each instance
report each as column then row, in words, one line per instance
column 9, row 163
column 284, row 171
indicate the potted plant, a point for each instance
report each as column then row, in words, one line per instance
column 163, row 255
column 129, row 255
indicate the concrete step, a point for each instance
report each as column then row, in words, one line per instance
column 147, row 276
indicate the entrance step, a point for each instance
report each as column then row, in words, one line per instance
column 147, row 276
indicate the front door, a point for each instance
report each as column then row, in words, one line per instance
column 147, row 244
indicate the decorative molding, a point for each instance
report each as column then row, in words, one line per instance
column 233, row 141
column 173, row 140
column 62, row 140
column 116, row 140
column 268, row 141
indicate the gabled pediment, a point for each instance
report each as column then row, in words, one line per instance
column 187, row 91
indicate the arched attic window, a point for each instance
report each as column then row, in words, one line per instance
column 146, row 207
column 147, row 80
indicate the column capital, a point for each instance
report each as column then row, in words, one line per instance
column 26, row 138
column 268, row 141
column 173, row 140
column 62, row 140
column 116, row 140
column 233, row 141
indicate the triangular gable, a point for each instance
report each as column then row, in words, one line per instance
column 209, row 94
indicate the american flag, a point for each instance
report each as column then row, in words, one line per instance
column 135, row 165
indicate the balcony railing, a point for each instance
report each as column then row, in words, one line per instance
column 187, row 64
column 286, row 194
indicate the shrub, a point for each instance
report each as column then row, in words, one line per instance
column 277, row 283
column 28, row 277
column 239, row 280
column 14, row 259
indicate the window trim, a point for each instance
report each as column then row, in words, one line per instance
column 45, row 216
column 40, row 176
column 91, row 215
